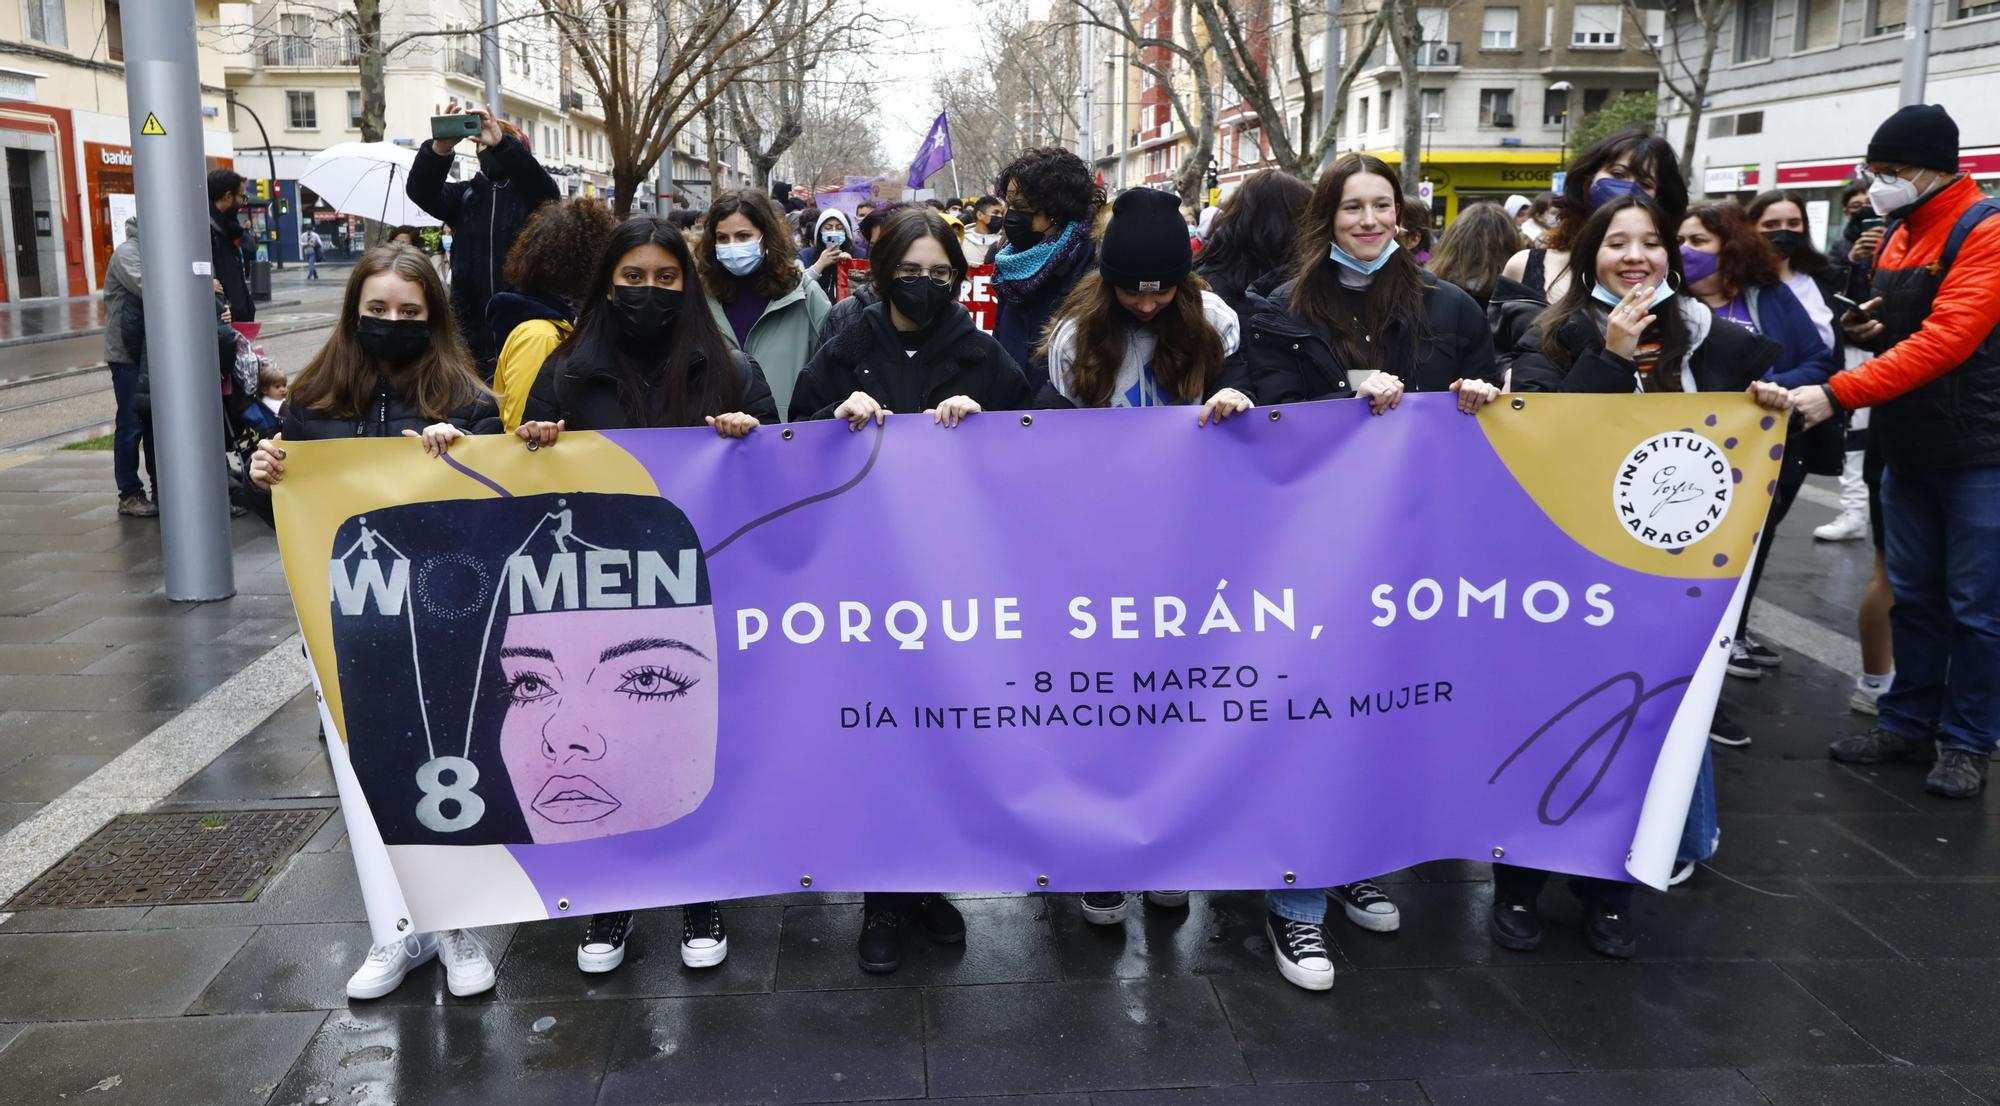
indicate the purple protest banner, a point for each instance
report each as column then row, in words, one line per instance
column 1063, row 650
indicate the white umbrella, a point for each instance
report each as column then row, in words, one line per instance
column 367, row 179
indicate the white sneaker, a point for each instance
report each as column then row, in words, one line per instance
column 386, row 965
column 1170, row 900
column 1682, row 873
column 1848, row 527
column 467, row 969
column 1863, row 699
column 1104, row 908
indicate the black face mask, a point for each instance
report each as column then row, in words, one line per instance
column 1788, row 243
column 394, row 341
column 921, row 299
column 1019, row 226
column 644, row 312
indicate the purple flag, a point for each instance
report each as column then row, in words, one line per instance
column 935, row 152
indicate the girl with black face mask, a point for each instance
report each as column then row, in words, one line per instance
column 1781, row 218
column 646, row 353
column 915, row 351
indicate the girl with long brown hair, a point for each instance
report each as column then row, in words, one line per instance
column 393, row 366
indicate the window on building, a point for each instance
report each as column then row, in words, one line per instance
column 114, row 30
column 1496, row 107
column 295, row 40
column 1363, row 123
column 1887, row 16
column 1750, row 122
column 1753, row 29
column 1252, row 150
column 1816, row 24
column 1316, row 53
column 1548, row 26
column 1554, row 104
column 353, row 109
column 1593, row 99
column 44, row 22
column 1498, row 28
column 301, row 110
column 1656, row 25
column 1388, row 99
column 1595, row 25
column 1431, row 103
column 1435, row 23
column 1966, row 9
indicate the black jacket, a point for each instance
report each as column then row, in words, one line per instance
column 386, row 415
column 1291, row 361
column 486, row 214
column 1727, row 360
column 1511, row 312
column 1237, row 296
column 586, row 398
column 225, row 249
column 956, row 359
column 1018, row 324
column 861, row 295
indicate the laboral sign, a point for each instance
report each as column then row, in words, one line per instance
column 1066, row 650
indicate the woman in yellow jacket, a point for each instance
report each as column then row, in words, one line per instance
column 548, row 270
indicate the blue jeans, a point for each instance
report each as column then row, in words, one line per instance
column 312, row 264
column 1699, row 836
column 1298, row 904
column 131, row 434
column 1943, row 555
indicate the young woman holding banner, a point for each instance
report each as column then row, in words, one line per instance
column 393, row 366
column 645, row 353
column 1619, row 329
column 1141, row 330
column 1359, row 317
column 756, row 291
column 913, row 350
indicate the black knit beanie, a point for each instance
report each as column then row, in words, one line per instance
column 1921, row 135
column 1145, row 249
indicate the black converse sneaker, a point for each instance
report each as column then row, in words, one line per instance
column 704, row 943
column 1300, row 951
column 603, row 944
column 1369, row 907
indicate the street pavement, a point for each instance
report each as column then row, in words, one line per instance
column 1838, row 950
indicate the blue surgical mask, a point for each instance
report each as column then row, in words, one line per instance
column 832, row 239
column 1609, row 298
column 1366, row 268
column 740, row 258
column 1610, row 188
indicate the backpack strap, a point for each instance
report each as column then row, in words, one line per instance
column 1974, row 215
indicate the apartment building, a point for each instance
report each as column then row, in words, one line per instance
column 67, row 141
column 1800, row 85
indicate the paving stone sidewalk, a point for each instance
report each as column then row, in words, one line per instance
column 1840, row 949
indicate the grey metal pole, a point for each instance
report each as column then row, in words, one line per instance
column 1087, row 77
column 163, row 99
column 1916, row 53
column 489, row 53
column 1330, row 80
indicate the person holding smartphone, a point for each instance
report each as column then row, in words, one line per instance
column 489, row 210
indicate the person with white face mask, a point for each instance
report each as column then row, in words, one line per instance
column 1933, row 319
column 761, row 297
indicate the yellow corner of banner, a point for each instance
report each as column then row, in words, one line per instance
column 1726, row 451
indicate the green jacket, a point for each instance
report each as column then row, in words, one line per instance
column 784, row 336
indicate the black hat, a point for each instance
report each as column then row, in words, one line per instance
column 1921, row 135
column 1145, row 249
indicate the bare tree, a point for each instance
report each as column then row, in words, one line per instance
column 659, row 65
column 1156, row 56
column 1409, row 39
column 767, row 105
column 1245, row 35
column 1689, row 84
column 983, row 137
column 839, row 137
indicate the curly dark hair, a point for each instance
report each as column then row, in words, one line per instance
column 1656, row 169
column 559, row 247
column 1053, row 181
column 778, row 274
column 1746, row 260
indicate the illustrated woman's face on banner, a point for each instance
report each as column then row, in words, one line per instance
column 611, row 718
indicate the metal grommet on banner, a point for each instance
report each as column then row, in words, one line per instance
column 562, row 905
column 1027, row 420
column 1498, row 852
column 1519, row 403
column 788, row 435
column 402, row 925
column 805, row 881
column 1041, row 881
column 1276, row 415
column 1291, row 877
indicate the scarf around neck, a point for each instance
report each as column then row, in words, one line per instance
column 1018, row 274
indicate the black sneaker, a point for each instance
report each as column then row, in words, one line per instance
column 1104, row 908
column 603, row 944
column 1878, row 746
column 704, row 942
column 1760, row 654
column 1368, row 906
column 881, row 944
column 1608, row 930
column 1515, row 925
column 1957, row 775
column 1723, row 730
column 940, row 920
column 137, row 506
column 1300, row 951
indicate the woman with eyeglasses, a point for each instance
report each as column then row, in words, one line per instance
column 758, row 293
column 915, row 351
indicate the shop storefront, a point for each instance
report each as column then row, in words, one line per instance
column 108, row 194
column 1738, row 182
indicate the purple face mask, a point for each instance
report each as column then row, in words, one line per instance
column 1697, row 265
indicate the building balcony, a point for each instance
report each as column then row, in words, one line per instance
column 1432, row 57
column 465, row 63
column 306, row 52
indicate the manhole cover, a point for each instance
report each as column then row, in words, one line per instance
column 183, row 857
